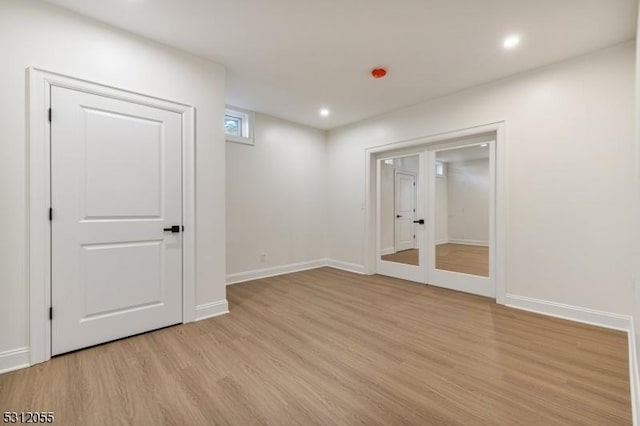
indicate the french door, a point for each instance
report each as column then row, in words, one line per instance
column 454, row 219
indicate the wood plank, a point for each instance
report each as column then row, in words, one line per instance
column 450, row 257
column 329, row 347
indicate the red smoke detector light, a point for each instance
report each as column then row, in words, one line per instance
column 378, row 73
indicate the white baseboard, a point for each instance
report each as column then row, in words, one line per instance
column 345, row 266
column 633, row 374
column 213, row 309
column 274, row 271
column 14, row 359
column 257, row 274
column 469, row 242
column 442, row 241
column 389, row 250
column 573, row 313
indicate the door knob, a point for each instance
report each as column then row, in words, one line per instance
column 420, row 221
column 174, row 228
column 398, row 216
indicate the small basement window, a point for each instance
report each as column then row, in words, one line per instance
column 238, row 125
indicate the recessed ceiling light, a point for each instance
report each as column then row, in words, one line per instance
column 511, row 41
column 324, row 112
column 484, row 144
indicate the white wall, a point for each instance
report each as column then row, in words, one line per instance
column 468, row 202
column 37, row 34
column 276, row 197
column 569, row 174
column 409, row 164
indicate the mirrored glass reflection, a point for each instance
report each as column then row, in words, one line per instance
column 462, row 210
column 398, row 195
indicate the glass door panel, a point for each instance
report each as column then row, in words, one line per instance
column 400, row 233
column 462, row 194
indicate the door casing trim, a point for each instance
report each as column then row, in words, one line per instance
column 38, row 196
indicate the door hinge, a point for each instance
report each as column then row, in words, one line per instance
column 49, row 115
column 182, row 228
column 414, row 184
column 51, row 312
column 50, row 214
column 414, row 237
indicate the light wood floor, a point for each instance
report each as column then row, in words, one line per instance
column 463, row 258
column 333, row 348
column 408, row 257
column 450, row 257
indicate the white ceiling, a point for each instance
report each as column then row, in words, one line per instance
column 289, row 58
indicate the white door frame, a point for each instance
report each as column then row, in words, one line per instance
column 371, row 173
column 38, row 271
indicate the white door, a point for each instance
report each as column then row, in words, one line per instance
column 405, row 202
column 116, row 186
